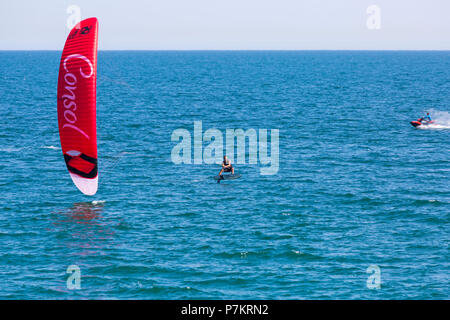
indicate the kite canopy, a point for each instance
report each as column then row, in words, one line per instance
column 77, row 84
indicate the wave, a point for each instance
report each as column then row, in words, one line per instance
column 50, row 147
column 17, row 149
column 11, row 149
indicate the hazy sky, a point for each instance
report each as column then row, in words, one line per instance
column 231, row 24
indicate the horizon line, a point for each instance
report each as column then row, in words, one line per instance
column 256, row 50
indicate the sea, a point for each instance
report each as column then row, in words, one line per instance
column 356, row 204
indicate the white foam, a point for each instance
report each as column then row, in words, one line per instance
column 441, row 120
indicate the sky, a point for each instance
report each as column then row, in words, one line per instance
column 232, row 24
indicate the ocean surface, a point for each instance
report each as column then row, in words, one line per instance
column 358, row 188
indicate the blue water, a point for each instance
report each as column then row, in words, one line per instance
column 357, row 185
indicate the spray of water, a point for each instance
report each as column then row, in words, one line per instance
column 441, row 120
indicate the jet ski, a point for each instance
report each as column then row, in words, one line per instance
column 421, row 122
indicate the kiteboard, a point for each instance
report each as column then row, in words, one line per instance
column 227, row 177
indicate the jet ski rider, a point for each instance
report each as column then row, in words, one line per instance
column 427, row 118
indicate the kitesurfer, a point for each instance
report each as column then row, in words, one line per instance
column 226, row 166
